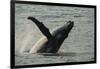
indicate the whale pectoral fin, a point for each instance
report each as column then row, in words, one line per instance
column 45, row 31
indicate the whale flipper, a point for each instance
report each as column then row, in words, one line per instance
column 42, row 27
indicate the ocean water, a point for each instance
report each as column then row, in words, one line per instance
column 78, row 47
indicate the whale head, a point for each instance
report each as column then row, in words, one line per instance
column 68, row 26
column 63, row 31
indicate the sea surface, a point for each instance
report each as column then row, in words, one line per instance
column 78, row 47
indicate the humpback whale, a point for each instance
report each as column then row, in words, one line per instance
column 52, row 41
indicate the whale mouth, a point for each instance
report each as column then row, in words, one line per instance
column 68, row 26
column 70, row 23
